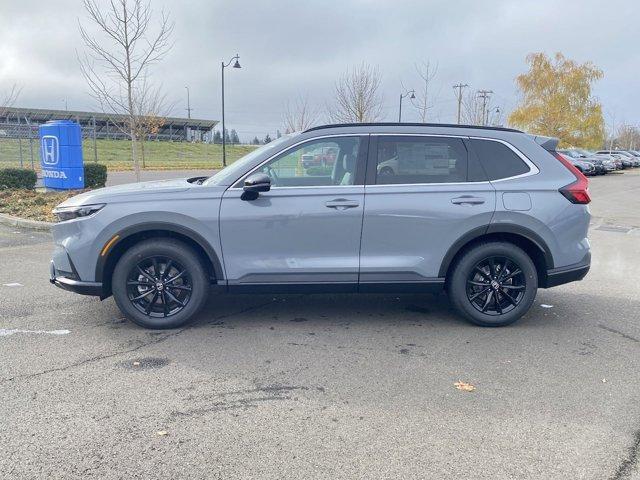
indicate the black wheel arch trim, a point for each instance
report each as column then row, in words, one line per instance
column 493, row 228
column 168, row 227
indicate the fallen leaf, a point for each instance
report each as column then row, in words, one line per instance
column 162, row 433
column 136, row 364
column 464, row 386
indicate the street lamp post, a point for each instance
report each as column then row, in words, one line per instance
column 188, row 104
column 411, row 94
column 235, row 65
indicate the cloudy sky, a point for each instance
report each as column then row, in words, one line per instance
column 291, row 47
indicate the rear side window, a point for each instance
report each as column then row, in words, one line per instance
column 498, row 160
column 406, row 160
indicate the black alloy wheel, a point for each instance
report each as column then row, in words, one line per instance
column 159, row 286
column 496, row 285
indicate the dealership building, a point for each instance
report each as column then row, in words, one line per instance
column 19, row 122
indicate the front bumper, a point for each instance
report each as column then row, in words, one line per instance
column 73, row 285
column 570, row 273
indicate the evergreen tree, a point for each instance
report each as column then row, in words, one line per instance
column 217, row 138
column 267, row 139
column 227, row 138
column 278, row 134
column 235, row 140
column 255, row 141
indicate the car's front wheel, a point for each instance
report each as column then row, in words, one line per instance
column 493, row 284
column 160, row 283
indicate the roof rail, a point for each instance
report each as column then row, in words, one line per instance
column 403, row 124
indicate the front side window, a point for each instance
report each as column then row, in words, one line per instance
column 322, row 162
column 407, row 160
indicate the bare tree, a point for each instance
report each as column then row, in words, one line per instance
column 424, row 100
column 628, row 136
column 152, row 109
column 9, row 99
column 357, row 96
column 118, row 59
column 299, row 115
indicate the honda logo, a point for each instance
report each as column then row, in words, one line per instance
column 49, row 149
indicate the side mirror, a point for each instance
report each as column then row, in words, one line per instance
column 254, row 184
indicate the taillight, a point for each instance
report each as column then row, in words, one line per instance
column 578, row 191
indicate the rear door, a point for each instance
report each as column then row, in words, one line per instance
column 422, row 194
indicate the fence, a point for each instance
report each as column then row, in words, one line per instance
column 20, row 147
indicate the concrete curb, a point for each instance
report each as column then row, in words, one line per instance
column 24, row 223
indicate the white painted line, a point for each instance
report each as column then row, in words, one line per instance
column 543, row 305
column 15, row 284
column 6, row 332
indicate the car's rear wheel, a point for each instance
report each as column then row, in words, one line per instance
column 493, row 284
column 160, row 283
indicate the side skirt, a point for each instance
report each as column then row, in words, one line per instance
column 435, row 285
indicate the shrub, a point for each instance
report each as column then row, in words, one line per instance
column 95, row 175
column 17, row 178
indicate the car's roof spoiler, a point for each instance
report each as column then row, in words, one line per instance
column 548, row 143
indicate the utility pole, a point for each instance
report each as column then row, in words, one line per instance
column 460, row 86
column 485, row 95
column 188, row 104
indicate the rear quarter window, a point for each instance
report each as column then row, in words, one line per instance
column 498, row 160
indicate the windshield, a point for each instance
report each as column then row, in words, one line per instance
column 237, row 168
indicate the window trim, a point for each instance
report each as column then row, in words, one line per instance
column 361, row 163
column 373, row 151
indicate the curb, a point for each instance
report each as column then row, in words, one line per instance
column 24, row 223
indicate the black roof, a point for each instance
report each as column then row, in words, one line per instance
column 396, row 124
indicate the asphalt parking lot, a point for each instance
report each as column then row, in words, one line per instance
column 318, row 386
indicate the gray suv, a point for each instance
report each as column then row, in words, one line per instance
column 487, row 214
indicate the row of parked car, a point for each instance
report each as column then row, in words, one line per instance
column 602, row 161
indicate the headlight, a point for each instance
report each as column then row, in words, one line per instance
column 69, row 213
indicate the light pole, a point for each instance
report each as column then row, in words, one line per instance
column 411, row 94
column 188, row 104
column 235, row 65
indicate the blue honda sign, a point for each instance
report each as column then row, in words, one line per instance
column 61, row 155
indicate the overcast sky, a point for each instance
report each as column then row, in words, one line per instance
column 289, row 48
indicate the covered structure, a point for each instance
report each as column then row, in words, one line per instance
column 15, row 122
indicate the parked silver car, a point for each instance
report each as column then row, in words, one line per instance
column 487, row 214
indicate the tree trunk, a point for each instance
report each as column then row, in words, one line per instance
column 142, row 153
column 134, row 155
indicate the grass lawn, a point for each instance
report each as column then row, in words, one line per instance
column 116, row 154
column 32, row 204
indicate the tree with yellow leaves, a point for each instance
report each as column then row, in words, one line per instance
column 557, row 102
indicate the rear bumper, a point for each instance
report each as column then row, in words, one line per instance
column 73, row 285
column 570, row 273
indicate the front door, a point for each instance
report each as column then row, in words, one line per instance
column 306, row 229
column 423, row 194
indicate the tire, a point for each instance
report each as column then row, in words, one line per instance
column 466, row 283
column 179, row 298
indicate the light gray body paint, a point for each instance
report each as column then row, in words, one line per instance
column 396, row 233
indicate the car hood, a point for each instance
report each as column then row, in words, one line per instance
column 132, row 191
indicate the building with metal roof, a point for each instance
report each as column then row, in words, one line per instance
column 107, row 125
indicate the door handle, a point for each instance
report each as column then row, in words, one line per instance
column 341, row 204
column 467, row 200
